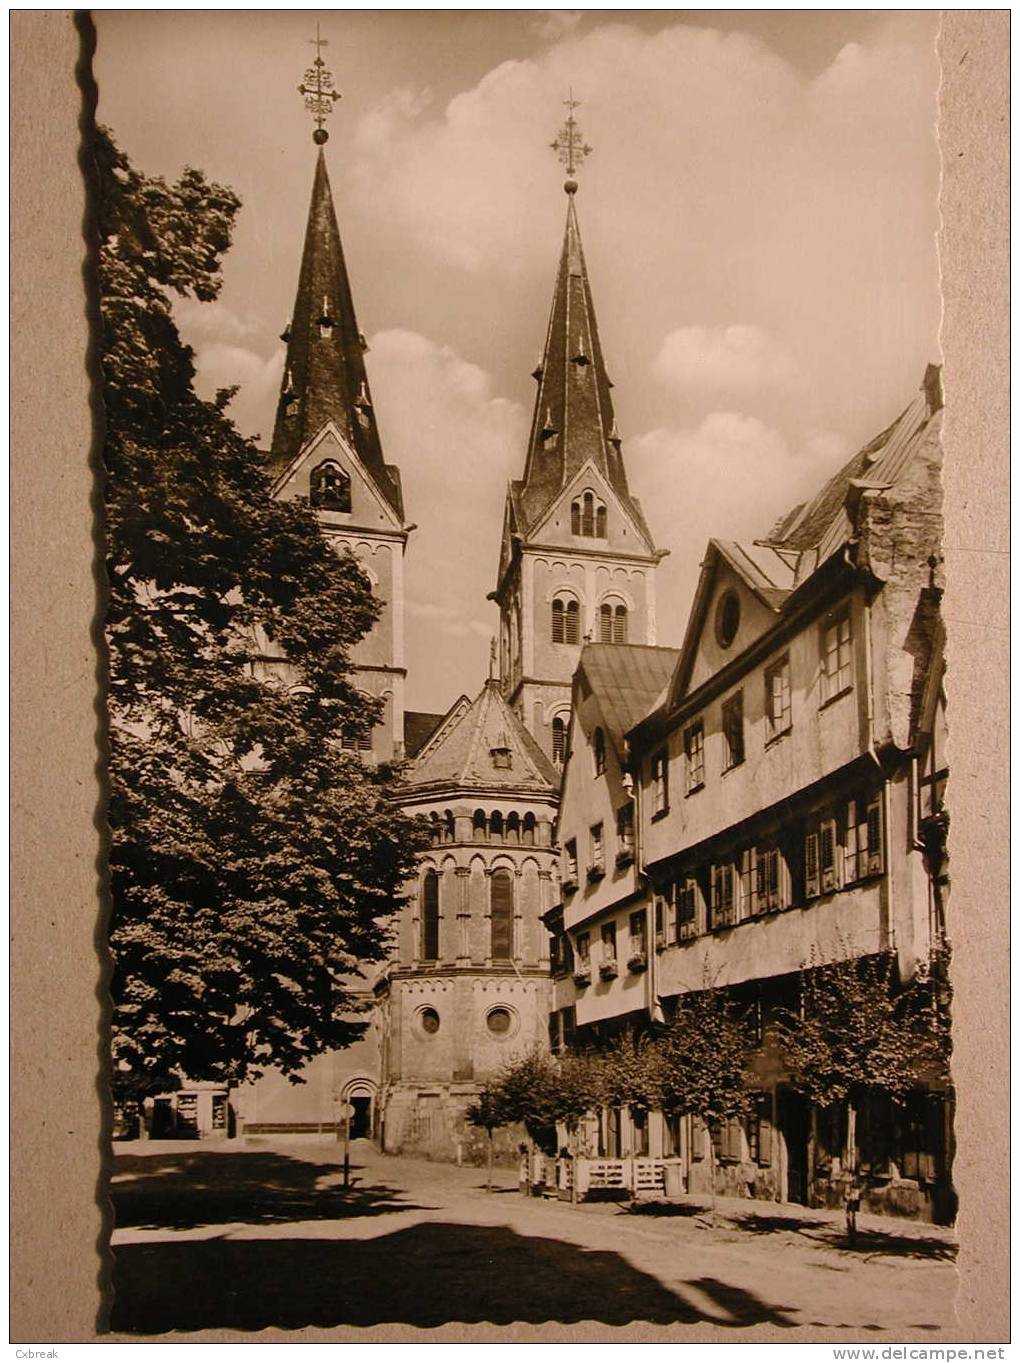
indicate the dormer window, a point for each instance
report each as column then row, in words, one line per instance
column 330, row 487
column 502, row 757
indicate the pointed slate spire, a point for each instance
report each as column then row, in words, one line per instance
column 574, row 419
column 324, row 376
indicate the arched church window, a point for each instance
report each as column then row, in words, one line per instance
column 513, row 828
column 575, row 518
column 496, row 826
column 528, row 831
column 620, row 625
column 430, row 916
column 501, row 911
column 559, row 738
column 434, row 833
column 588, row 514
column 449, row 827
column 330, row 487
column 605, row 623
column 598, row 743
column 600, row 522
column 566, row 621
column 478, row 825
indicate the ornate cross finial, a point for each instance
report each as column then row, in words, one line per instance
column 570, row 146
column 492, row 657
column 318, row 89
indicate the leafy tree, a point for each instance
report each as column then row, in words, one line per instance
column 699, row 1061
column 858, row 1031
column 252, row 863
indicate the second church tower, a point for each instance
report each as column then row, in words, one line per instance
column 577, row 559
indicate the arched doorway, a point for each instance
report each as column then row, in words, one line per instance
column 360, row 1094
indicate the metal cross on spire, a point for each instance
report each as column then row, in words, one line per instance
column 319, row 90
column 570, row 146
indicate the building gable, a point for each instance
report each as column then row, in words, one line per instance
column 370, row 508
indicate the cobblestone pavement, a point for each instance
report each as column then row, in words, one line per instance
column 244, row 1236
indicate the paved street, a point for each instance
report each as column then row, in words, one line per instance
column 246, row 1236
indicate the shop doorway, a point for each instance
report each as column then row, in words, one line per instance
column 794, row 1119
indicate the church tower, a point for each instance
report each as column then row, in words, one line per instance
column 326, row 443
column 577, row 560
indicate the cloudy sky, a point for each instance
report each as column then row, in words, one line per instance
column 759, row 219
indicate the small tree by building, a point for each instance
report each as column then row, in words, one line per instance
column 698, row 1064
column 860, row 1032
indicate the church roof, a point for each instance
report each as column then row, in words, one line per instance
column 627, row 680
column 486, row 747
column 419, row 726
column 324, row 377
column 573, row 419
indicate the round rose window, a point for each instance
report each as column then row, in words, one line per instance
column 727, row 618
column 499, row 1021
column 429, row 1020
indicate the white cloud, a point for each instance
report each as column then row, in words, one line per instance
column 733, row 358
column 457, row 445
column 729, row 477
column 219, row 364
column 555, row 24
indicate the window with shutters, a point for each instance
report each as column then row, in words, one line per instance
column 722, row 895
column 599, row 751
column 828, row 872
column 660, row 784
column 625, row 834
column 501, row 910
column 733, row 730
column 812, row 879
column 659, row 908
column 598, row 850
column 570, row 862
column 863, row 852
column 727, row 1139
column 569, row 1016
column 694, row 757
column 588, row 517
column 584, row 948
column 559, row 740
column 356, row 738
column 566, row 620
column 768, row 880
column 638, row 937
column 837, row 660
column 554, row 1034
column 686, row 909
column 430, row 916
column 778, row 711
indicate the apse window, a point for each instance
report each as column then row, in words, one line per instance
column 499, row 1021
column 428, row 1019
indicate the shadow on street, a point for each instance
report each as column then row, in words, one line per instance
column 426, row 1275
column 259, row 1187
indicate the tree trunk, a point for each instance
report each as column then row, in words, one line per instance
column 488, row 1185
column 851, row 1185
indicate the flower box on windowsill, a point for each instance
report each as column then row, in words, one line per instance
column 568, row 887
column 624, row 857
column 638, row 962
column 609, row 969
column 582, row 976
column 596, row 873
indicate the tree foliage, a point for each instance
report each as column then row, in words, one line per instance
column 858, row 1030
column 701, row 1058
column 253, row 863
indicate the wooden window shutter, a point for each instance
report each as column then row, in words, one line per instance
column 811, row 877
column 557, row 622
column 851, row 858
column 697, row 1138
column 827, row 846
column 874, row 836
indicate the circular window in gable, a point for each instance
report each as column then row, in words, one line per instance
column 727, row 619
column 428, row 1020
